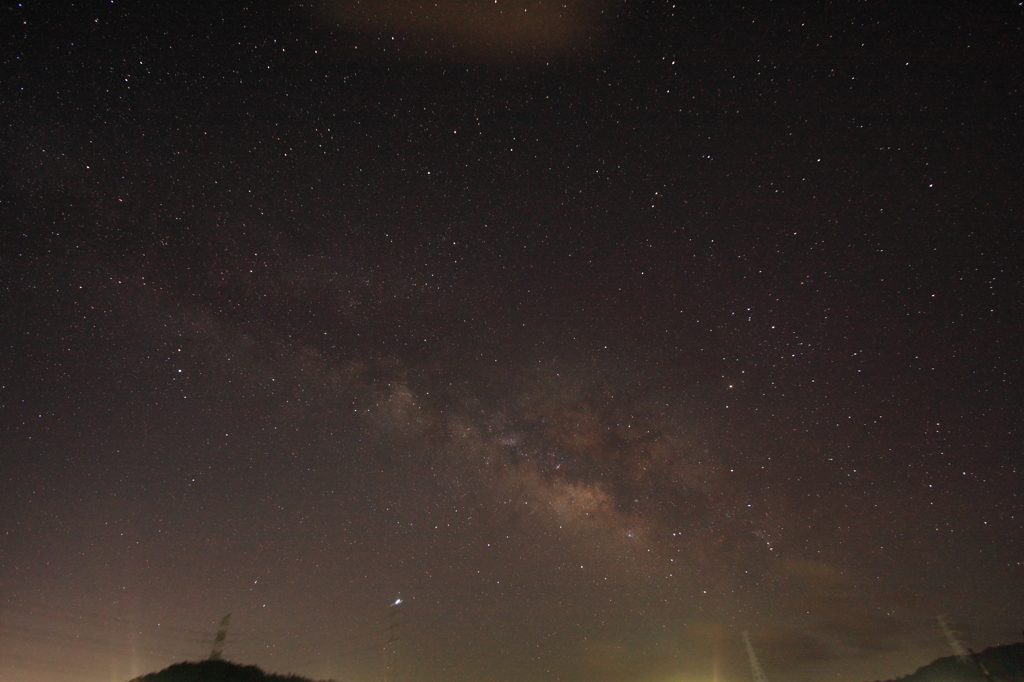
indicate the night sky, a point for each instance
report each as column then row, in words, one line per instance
column 597, row 333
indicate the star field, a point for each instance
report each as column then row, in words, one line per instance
column 597, row 333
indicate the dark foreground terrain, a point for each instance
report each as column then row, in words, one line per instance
column 999, row 663
column 216, row 671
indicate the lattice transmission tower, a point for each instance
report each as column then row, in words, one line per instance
column 217, row 653
column 955, row 645
column 391, row 646
column 755, row 668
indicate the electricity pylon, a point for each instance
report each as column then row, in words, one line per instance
column 955, row 645
column 218, row 641
column 755, row 668
column 391, row 646
column 716, row 661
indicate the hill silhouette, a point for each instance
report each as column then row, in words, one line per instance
column 216, row 671
column 1003, row 664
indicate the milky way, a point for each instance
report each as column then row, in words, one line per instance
column 597, row 334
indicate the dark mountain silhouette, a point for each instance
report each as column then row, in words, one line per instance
column 216, row 671
column 998, row 664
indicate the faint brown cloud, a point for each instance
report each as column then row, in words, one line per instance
column 470, row 30
column 837, row 618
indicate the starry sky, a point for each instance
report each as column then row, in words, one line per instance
column 596, row 332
